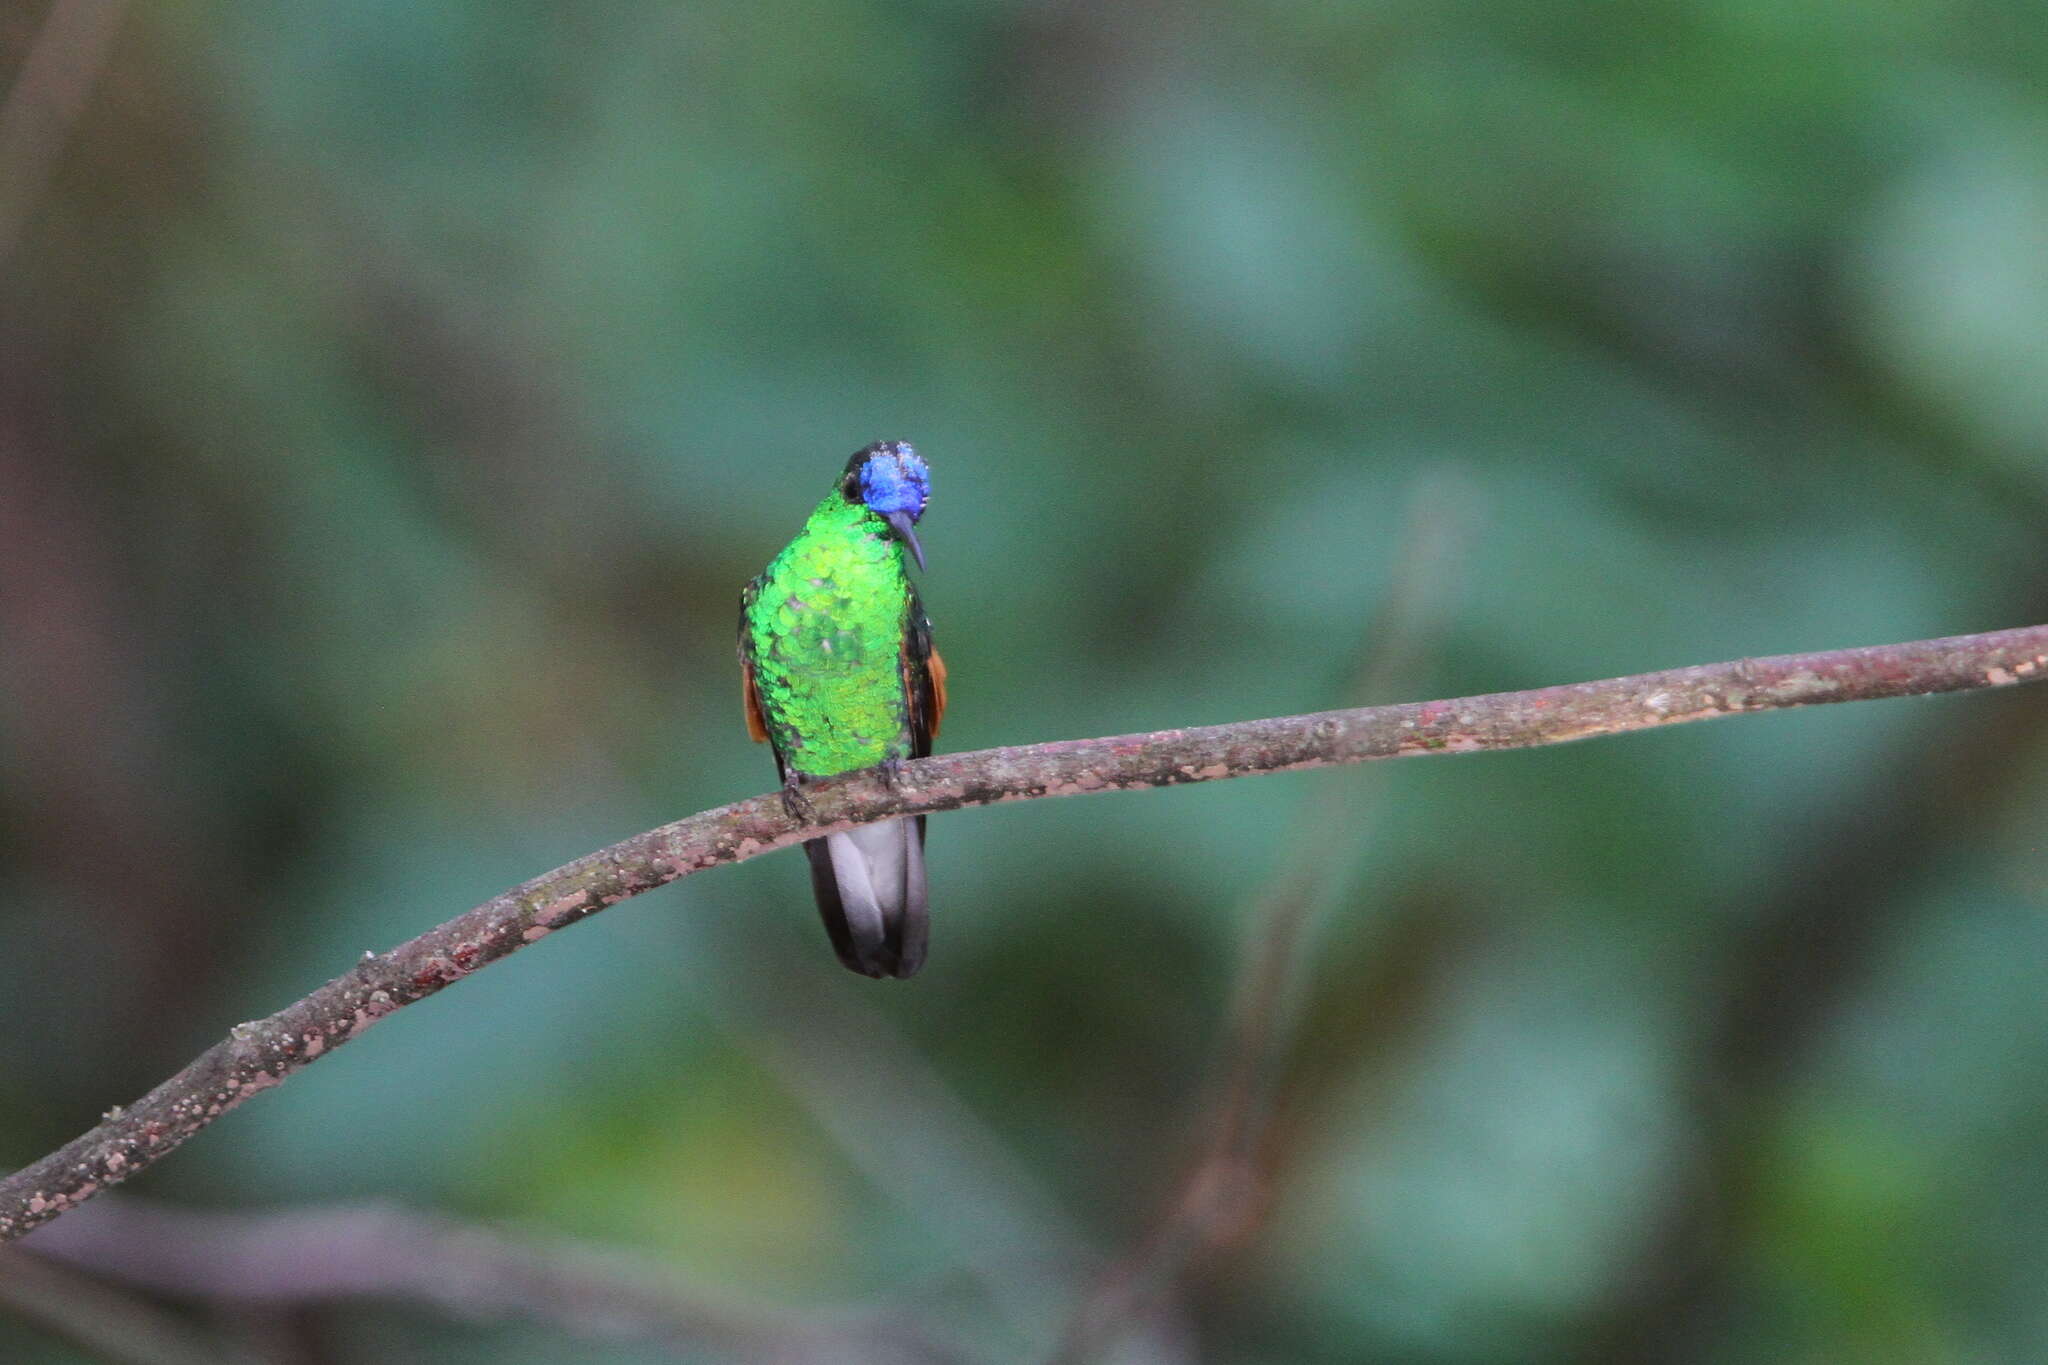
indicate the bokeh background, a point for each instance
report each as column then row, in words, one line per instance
column 394, row 396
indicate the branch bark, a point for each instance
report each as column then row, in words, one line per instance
column 257, row 1055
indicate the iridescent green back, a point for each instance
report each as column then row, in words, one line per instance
column 824, row 630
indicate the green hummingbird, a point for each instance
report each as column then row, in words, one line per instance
column 839, row 673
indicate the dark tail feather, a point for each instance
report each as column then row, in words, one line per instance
column 826, row 891
column 871, row 893
column 913, row 926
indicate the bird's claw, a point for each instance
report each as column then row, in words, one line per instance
column 891, row 772
column 797, row 805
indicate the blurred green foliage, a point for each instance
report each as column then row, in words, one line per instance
column 393, row 398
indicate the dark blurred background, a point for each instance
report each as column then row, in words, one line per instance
column 394, row 397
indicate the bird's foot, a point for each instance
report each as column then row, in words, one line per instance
column 796, row 804
column 891, row 772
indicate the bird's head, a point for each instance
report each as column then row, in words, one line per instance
column 890, row 480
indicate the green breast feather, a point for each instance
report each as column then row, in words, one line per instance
column 825, row 625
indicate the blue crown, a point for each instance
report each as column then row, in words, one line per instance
column 894, row 478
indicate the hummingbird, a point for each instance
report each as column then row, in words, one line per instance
column 838, row 673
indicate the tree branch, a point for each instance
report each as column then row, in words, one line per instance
column 258, row 1055
column 302, row 1257
column 104, row 1322
column 1216, row 1200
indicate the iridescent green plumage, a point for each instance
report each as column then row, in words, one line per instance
column 824, row 631
column 840, row 674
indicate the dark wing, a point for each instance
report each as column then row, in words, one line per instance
column 924, row 680
column 757, row 723
column 924, row 685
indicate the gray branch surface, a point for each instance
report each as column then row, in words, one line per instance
column 255, row 1056
column 301, row 1257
